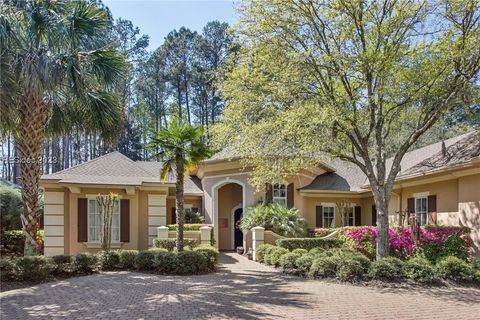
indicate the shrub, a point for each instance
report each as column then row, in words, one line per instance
column 419, row 269
column 85, row 263
column 325, row 266
column 12, row 242
column 476, row 277
column 144, row 260
column 316, row 251
column 165, row 262
column 304, row 263
column 349, row 268
column 274, row 255
column 300, row 252
column 127, row 258
column 191, row 262
column 11, row 208
column 170, row 244
column 364, row 262
column 262, row 251
column 453, row 268
column 384, row 269
column 307, row 243
column 7, row 269
column 272, row 216
column 454, row 245
column 288, row 260
column 476, row 263
column 62, row 263
column 34, row 268
column 211, row 253
column 109, row 260
column 397, row 264
column 195, row 227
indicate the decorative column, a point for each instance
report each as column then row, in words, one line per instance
column 162, row 232
column 258, row 238
column 205, row 235
column 157, row 214
column 54, row 223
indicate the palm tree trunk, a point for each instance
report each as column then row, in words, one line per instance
column 179, row 205
column 30, row 143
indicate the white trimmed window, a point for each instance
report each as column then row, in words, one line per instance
column 280, row 194
column 328, row 216
column 421, row 210
column 95, row 221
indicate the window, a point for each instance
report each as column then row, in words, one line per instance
column 95, row 221
column 328, row 217
column 280, row 194
column 350, row 217
column 421, row 211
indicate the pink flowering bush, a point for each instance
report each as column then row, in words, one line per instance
column 435, row 241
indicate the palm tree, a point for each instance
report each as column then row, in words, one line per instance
column 57, row 72
column 182, row 147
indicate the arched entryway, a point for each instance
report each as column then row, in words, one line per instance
column 228, row 203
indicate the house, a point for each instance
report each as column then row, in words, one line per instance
column 440, row 183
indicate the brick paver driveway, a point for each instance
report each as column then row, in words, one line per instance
column 241, row 289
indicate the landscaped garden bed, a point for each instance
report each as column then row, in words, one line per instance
column 441, row 255
column 31, row 270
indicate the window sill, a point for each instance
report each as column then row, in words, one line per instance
column 97, row 245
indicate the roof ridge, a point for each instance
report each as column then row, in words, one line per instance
column 89, row 162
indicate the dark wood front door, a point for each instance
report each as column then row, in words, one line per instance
column 238, row 234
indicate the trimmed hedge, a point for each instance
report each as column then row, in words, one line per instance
column 34, row 268
column 262, row 250
column 419, row 269
column 85, row 263
column 109, row 260
column 211, row 253
column 386, row 268
column 170, row 244
column 127, row 259
column 308, row 243
column 273, row 256
column 454, row 268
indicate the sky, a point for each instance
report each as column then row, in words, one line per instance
column 157, row 18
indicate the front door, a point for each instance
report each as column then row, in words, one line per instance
column 238, row 234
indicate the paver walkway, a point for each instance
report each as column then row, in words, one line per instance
column 242, row 289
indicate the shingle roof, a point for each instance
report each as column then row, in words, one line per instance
column 348, row 177
column 464, row 150
column 116, row 169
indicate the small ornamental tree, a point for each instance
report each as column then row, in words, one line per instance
column 360, row 81
column 106, row 203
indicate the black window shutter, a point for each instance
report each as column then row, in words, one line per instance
column 319, row 217
column 124, row 220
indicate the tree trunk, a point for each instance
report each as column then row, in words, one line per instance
column 30, row 143
column 66, row 151
column 382, row 242
column 56, row 155
column 179, row 205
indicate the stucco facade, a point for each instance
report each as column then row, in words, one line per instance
column 217, row 188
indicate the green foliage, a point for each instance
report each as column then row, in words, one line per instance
column 272, row 256
column 11, row 208
column 288, row 260
column 385, row 268
column 165, row 262
column 85, row 263
column 300, row 252
column 454, row 245
column 419, row 269
column 304, row 263
column 191, row 262
column 348, row 269
column 262, row 250
column 316, row 251
column 364, row 262
column 12, row 242
column 62, row 263
column 7, row 269
column 109, row 260
column 34, row 268
column 144, row 260
column 308, row 243
column 211, row 253
column 170, row 244
column 127, row 258
column 273, row 216
column 325, row 266
column 476, row 263
column 453, row 268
